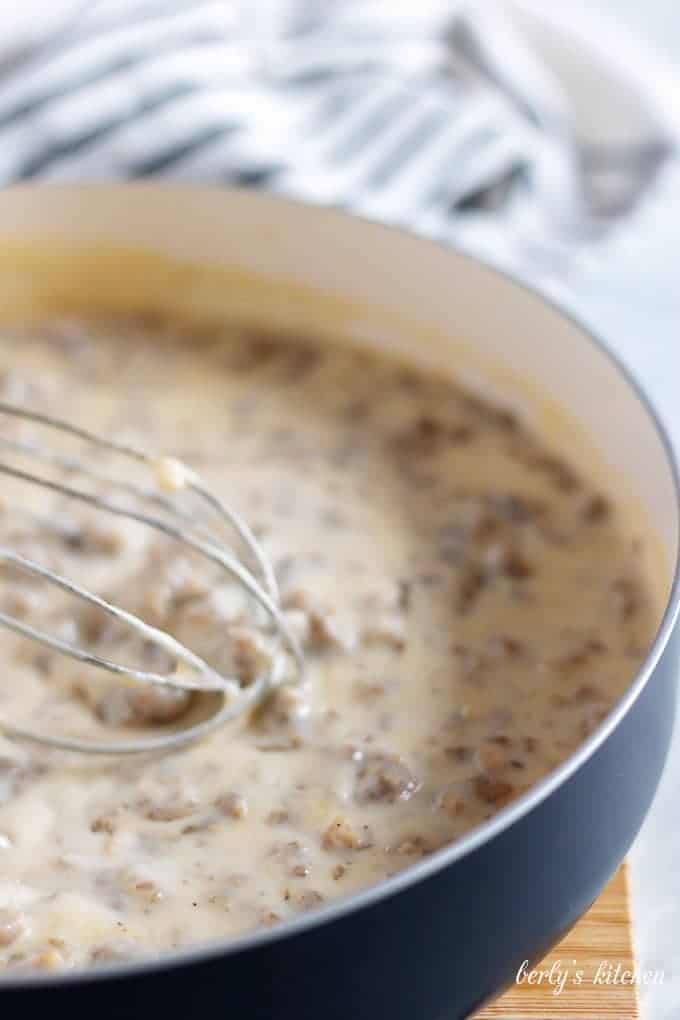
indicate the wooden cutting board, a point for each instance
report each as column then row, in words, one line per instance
column 598, row 943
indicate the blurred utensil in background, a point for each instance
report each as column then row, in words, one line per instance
column 609, row 176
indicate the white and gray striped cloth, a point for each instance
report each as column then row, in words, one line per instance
column 356, row 105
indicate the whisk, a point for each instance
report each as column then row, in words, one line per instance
column 158, row 508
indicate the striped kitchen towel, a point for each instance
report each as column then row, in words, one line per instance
column 356, row 103
column 355, row 109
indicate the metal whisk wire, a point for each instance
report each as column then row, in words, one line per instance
column 170, row 475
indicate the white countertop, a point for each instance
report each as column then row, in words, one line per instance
column 657, row 22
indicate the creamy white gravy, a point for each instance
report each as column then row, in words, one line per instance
column 470, row 607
